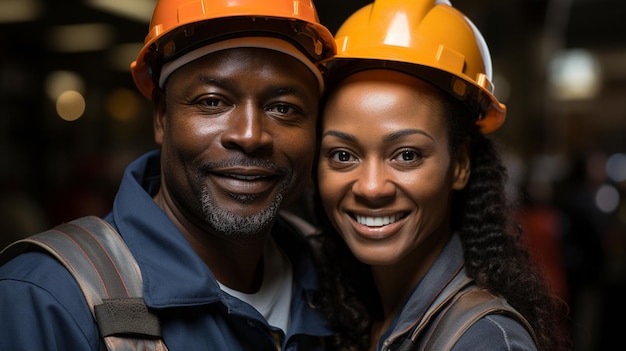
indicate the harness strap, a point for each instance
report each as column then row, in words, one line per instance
column 457, row 307
column 465, row 309
column 109, row 277
column 459, row 282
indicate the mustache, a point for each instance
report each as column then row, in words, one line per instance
column 242, row 162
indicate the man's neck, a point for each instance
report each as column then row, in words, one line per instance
column 236, row 261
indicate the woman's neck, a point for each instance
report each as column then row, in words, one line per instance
column 395, row 282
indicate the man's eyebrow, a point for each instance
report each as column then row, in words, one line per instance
column 284, row 90
column 278, row 90
column 211, row 80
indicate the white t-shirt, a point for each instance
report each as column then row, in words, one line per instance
column 273, row 300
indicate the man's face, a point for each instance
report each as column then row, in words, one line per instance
column 237, row 131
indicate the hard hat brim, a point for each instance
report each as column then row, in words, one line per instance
column 488, row 113
column 312, row 39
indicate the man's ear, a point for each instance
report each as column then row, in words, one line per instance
column 158, row 115
column 462, row 167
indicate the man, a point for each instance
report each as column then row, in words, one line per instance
column 235, row 88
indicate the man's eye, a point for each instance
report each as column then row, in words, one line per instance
column 212, row 102
column 284, row 109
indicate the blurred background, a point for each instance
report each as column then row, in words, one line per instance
column 71, row 120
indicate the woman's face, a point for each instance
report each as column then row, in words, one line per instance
column 385, row 171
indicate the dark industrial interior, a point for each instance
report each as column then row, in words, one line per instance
column 559, row 66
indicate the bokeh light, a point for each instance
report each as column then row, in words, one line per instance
column 70, row 105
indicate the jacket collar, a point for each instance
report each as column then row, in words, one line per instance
column 173, row 274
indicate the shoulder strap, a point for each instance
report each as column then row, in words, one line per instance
column 457, row 307
column 109, row 277
column 464, row 310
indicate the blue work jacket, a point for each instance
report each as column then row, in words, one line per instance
column 42, row 307
column 493, row 332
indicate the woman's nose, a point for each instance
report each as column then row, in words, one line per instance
column 374, row 183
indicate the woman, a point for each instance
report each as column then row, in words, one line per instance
column 413, row 191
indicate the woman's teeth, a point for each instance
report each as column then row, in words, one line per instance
column 377, row 221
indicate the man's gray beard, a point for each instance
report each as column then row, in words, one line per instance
column 230, row 223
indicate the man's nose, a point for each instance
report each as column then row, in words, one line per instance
column 247, row 129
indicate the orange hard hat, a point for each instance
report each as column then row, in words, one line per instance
column 180, row 26
column 426, row 38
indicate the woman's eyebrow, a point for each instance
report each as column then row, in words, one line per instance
column 340, row 135
column 404, row 132
column 390, row 137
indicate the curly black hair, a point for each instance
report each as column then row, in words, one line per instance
column 495, row 256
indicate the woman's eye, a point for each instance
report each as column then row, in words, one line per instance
column 408, row 156
column 341, row 156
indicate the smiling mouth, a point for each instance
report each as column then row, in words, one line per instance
column 379, row 221
column 245, row 186
column 246, row 177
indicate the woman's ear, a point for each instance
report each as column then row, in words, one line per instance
column 158, row 115
column 462, row 167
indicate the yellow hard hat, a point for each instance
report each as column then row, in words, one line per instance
column 180, row 26
column 426, row 38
